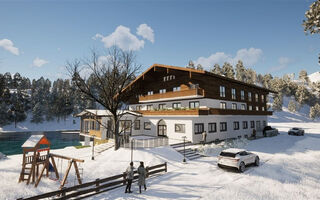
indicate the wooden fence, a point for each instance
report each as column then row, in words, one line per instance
column 95, row 187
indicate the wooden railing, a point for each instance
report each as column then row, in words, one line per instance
column 95, row 187
column 182, row 93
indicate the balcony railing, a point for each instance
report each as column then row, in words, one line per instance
column 204, row 111
column 170, row 95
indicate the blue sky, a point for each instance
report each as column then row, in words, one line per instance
column 38, row 37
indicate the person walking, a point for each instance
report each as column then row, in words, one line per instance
column 204, row 137
column 142, row 176
column 129, row 177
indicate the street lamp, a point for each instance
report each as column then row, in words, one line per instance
column 92, row 158
column 132, row 142
column 184, row 149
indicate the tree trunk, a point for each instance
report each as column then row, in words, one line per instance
column 116, row 133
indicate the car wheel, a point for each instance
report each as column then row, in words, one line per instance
column 242, row 167
column 257, row 161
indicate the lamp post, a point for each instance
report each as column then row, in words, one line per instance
column 132, row 142
column 92, row 158
column 184, row 149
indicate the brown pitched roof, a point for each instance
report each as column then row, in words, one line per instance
column 200, row 72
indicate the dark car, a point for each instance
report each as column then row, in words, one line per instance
column 296, row 131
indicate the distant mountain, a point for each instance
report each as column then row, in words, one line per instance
column 315, row 77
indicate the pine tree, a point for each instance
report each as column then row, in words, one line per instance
column 199, row 67
column 303, row 76
column 302, row 95
column 277, row 103
column 37, row 113
column 216, row 69
column 292, row 106
column 227, row 70
column 240, row 71
column 190, row 65
column 251, row 76
column 314, row 111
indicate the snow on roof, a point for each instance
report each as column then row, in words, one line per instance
column 105, row 112
column 233, row 150
column 33, row 140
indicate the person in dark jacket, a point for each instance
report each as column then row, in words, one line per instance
column 129, row 177
column 142, row 176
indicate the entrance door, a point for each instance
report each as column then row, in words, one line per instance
column 162, row 128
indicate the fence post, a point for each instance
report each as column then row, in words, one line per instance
column 97, row 184
column 147, row 169
column 63, row 193
column 165, row 167
column 124, row 178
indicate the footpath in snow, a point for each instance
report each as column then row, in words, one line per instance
column 289, row 170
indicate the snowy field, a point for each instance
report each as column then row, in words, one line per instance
column 289, row 170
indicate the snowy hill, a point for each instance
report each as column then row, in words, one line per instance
column 286, row 116
column 71, row 123
column 315, row 77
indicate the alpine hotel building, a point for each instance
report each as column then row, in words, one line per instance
column 178, row 101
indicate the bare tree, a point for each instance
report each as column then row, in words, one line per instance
column 112, row 73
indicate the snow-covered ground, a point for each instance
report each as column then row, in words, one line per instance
column 71, row 123
column 289, row 170
column 315, row 77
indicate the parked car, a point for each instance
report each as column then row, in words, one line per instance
column 268, row 131
column 237, row 158
column 296, row 131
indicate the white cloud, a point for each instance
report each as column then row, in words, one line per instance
column 37, row 62
column 283, row 63
column 146, row 32
column 249, row 58
column 121, row 37
column 9, row 46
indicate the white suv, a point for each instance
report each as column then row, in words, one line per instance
column 237, row 158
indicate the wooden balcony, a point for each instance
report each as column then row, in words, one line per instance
column 204, row 111
column 197, row 92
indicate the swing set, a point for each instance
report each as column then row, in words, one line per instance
column 39, row 148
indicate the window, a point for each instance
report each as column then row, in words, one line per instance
column 223, row 105
column 250, row 107
column 257, row 108
column 222, row 91
column 212, row 127
column 168, row 78
column 249, row 96
column 234, row 106
column 147, row 126
column 245, row 125
column 162, row 106
column 149, row 107
column 138, row 107
column 262, row 98
column 180, row 128
column 243, row 106
column 150, row 92
column 235, row 125
column 125, row 126
column 137, row 125
column 161, row 91
column 198, row 128
column 262, row 108
column 258, row 125
column 91, row 125
column 233, row 93
column 175, row 89
column 176, row 105
column 86, row 126
column 194, row 104
column 264, row 123
column 97, row 126
column 257, row 97
column 252, row 124
column 223, row 126
column 242, row 94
